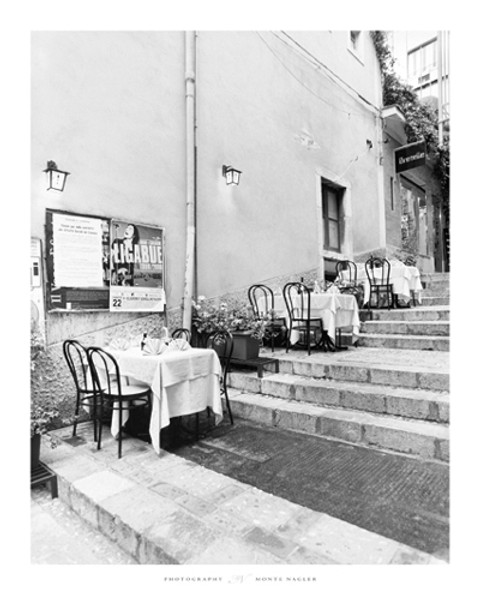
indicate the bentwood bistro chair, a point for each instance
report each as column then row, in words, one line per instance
column 381, row 289
column 297, row 298
column 223, row 344
column 261, row 298
column 114, row 392
column 181, row 333
column 76, row 358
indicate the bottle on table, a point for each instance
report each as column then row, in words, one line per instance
column 143, row 341
column 316, row 288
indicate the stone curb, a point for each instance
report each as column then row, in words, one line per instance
column 428, row 441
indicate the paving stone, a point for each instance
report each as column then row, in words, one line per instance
column 402, row 441
column 260, row 412
column 408, row 556
column 316, row 393
column 229, row 521
column 442, row 450
column 169, row 491
column 119, row 532
column 279, row 385
column 138, row 507
column 306, row 556
column 75, row 469
column 225, row 493
column 232, row 551
column 102, row 484
column 300, row 521
column 346, row 543
column 335, row 427
column 271, row 542
column 181, row 535
column 195, row 505
column 263, row 510
column 349, row 373
column 295, row 419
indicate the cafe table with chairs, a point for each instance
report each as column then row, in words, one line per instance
column 335, row 310
column 165, row 374
column 405, row 281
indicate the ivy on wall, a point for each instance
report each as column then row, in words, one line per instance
column 421, row 118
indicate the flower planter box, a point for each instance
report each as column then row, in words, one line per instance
column 245, row 346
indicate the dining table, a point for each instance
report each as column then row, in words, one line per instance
column 336, row 310
column 405, row 279
column 182, row 382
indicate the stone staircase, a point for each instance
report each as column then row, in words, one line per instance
column 425, row 327
column 387, row 394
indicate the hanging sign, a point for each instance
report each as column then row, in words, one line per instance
column 136, row 268
column 410, row 156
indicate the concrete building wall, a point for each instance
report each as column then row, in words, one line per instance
column 285, row 122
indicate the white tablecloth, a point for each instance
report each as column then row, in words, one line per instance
column 335, row 310
column 405, row 279
column 182, row 382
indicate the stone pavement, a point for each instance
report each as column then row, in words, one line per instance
column 169, row 510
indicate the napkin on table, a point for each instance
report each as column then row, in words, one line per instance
column 179, row 344
column 154, row 346
column 120, row 344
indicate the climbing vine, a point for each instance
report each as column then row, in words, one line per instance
column 421, row 118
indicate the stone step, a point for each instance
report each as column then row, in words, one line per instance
column 427, row 405
column 435, row 278
column 411, row 342
column 433, row 328
column 418, row 313
column 416, row 438
column 400, row 368
column 435, row 300
column 436, row 289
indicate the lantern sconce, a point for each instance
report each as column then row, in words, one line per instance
column 231, row 175
column 55, row 178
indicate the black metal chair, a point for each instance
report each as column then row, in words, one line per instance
column 381, row 293
column 76, row 357
column 261, row 298
column 112, row 392
column 297, row 298
column 347, row 272
column 181, row 333
column 222, row 342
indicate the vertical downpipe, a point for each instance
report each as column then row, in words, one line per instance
column 190, row 82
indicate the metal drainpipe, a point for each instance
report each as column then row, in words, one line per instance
column 190, row 80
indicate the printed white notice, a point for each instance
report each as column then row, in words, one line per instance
column 77, row 252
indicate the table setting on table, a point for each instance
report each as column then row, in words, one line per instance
column 183, row 380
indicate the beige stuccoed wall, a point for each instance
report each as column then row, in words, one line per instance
column 252, row 112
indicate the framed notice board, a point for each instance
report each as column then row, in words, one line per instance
column 96, row 263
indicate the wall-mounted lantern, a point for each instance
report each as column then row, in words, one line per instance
column 231, row 175
column 55, row 178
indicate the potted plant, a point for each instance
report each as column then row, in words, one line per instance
column 236, row 318
column 42, row 411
